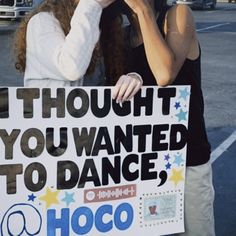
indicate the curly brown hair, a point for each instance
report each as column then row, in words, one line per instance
column 111, row 44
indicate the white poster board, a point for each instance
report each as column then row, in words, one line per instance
column 74, row 162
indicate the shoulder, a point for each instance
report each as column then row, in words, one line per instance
column 180, row 16
column 43, row 23
column 42, row 18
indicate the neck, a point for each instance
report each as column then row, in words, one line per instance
column 152, row 5
column 135, row 33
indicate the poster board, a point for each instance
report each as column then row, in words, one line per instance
column 74, row 162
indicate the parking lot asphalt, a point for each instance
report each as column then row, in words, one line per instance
column 217, row 36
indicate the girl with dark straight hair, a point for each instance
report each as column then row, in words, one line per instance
column 162, row 46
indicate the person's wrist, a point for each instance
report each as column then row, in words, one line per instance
column 103, row 3
column 143, row 10
column 136, row 76
column 89, row 6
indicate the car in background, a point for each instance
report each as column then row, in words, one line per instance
column 16, row 8
column 202, row 4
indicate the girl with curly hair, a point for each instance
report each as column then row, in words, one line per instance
column 58, row 45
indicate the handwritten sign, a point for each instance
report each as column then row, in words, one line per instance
column 75, row 162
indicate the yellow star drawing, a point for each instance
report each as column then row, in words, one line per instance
column 176, row 176
column 50, row 197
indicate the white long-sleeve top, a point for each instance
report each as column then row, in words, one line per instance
column 56, row 60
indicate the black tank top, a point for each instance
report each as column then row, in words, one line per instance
column 198, row 147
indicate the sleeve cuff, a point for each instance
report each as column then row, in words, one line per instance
column 136, row 76
column 90, row 8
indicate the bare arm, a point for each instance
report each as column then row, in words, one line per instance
column 165, row 56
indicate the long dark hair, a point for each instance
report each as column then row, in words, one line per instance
column 160, row 5
column 123, row 47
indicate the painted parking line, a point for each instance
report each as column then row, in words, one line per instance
column 223, row 147
column 4, row 25
column 212, row 27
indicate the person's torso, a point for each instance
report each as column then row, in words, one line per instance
column 198, row 151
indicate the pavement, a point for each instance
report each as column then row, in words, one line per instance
column 217, row 35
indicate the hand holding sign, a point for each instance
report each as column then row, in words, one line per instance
column 126, row 87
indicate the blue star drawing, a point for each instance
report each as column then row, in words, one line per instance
column 168, row 166
column 69, row 198
column 178, row 159
column 31, row 197
column 184, row 94
column 167, row 157
column 177, row 105
column 182, row 115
